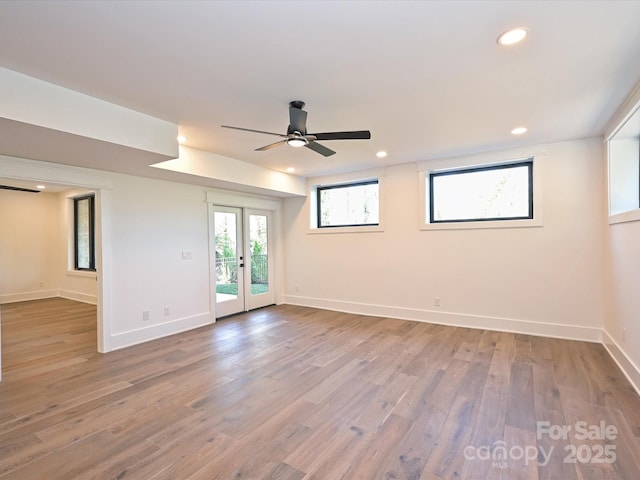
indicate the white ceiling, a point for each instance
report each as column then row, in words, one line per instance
column 426, row 77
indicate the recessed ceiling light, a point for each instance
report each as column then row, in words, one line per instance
column 381, row 154
column 512, row 36
column 41, row 187
column 518, row 130
column 182, row 139
column 291, row 169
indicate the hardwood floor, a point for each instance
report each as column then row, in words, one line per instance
column 298, row 393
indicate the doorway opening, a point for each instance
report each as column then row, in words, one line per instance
column 242, row 259
column 37, row 265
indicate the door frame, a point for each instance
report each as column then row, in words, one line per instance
column 250, row 202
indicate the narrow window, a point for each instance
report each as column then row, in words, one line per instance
column 348, row 205
column 497, row 192
column 84, row 233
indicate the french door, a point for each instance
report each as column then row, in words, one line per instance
column 242, row 259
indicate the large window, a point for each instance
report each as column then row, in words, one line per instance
column 348, row 205
column 84, row 233
column 489, row 193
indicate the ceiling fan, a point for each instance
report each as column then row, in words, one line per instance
column 297, row 135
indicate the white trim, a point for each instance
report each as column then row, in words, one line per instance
column 534, row 223
column 79, row 297
column 26, row 296
column 624, row 113
column 244, row 200
column 42, row 294
column 82, row 273
column 625, row 217
column 25, row 169
column 361, row 229
column 154, row 332
column 350, row 177
column 628, row 367
column 527, row 327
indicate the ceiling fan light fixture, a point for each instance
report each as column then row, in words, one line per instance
column 297, row 141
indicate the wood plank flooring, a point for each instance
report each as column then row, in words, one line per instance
column 295, row 393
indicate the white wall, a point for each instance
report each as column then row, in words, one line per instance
column 624, row 288
column 546, row 280
column 29, row 245
column 151, row 223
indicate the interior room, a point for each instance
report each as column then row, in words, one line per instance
column 332, row 240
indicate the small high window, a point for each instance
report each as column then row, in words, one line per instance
column 84, row 233
column 348, row 205
column 489, row 193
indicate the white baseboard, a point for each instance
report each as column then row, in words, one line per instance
column 571, row 332
column 628, row 366
column 26, row 296
column 78, row 297
column 153, row 332
column 42, row 294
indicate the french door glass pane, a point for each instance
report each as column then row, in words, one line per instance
column 226, row 256
column 259, row 254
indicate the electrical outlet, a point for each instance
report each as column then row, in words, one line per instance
column 187, row 254
column 145, row 316
column 624, row 335
column 42, row 284
column 167, row 311
column 436, row 302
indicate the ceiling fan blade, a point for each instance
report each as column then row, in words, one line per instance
column 297, row 120
column 357, row 135
column 254, row 131
column 321, row 149
column 270, row 146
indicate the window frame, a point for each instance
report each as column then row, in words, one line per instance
column 318, row 211
column 628, row 127
column 92, row 233
column 473, row 169
column 538, row 153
